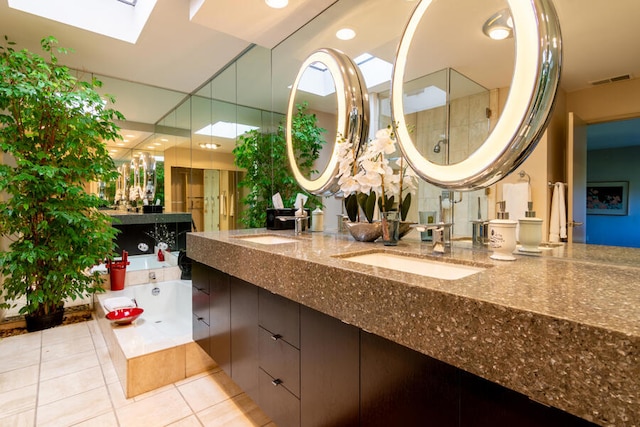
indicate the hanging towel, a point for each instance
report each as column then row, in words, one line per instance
column 223, row 204
column 516, row 197
column 558, row 215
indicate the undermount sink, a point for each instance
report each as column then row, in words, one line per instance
column 267, row 239
column 415, row 265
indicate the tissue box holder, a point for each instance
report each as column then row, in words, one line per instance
column 275, row 224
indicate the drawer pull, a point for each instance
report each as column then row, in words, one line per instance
column 276, row 337
column 276, row 382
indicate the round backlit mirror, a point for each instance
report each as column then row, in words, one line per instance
column 532, row 90
column 331, row 86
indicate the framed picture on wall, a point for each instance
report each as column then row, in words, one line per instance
column 607, row 198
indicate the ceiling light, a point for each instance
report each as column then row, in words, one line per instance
column 499, row 26
column 164, row 140
column 225, row 129
column 345, row 34
column 277, row 4
column 210, row 146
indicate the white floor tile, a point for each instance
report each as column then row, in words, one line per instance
column 19, row 378
column 158, row 410
column 21, row 419
column 191, row 421
column 74, row 409
column 70, row 385
column 18, row 400
column 66, row 348
column 67, row 365
column 237, row 412
column 104, row 420
column 65, row 333
column 19, row 344
column 209, row 390
column 20, row 359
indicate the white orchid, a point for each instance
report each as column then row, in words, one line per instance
column 372, row 171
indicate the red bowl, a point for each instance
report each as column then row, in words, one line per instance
column 124, row 316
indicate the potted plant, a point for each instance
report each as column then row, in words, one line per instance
column 371, row 179
column 52, row 128
column 264, row 157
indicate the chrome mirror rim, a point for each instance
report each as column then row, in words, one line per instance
column 352, row 116
column 527, row 110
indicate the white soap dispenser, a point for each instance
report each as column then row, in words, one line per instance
column 502, row 234
column 317, row 220
column 530, row 231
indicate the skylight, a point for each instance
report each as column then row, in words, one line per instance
column 225, row 130
column 318, row 81
column 115, row 19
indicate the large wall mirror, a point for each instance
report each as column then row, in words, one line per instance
column 332, row 84
column 254, row 91
column 534, row 81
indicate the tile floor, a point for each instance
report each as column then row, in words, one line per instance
column 64, row 377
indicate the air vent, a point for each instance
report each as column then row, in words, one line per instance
column 611, row 80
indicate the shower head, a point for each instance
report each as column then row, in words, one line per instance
column 436, row 148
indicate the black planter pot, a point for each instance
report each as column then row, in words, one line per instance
column 39, row 323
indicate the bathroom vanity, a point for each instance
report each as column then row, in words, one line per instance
column 316, row 338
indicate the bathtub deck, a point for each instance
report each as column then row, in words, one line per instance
column 148, row 355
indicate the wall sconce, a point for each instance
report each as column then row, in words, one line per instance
column 499, row 26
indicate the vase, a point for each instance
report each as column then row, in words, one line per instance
column 390, row 228
column 364, row 231
column 40, row 322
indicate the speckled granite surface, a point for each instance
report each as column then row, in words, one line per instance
column 562, row 327
column 127, row 218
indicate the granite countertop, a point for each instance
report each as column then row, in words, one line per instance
column 128, row 218
column 562, row 327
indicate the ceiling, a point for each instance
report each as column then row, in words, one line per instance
column 186, row 42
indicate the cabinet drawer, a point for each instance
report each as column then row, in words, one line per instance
column 279, row 316
column 200, row 304
column 280, row 360
column 201, row 334
column 200, row 278
column 277, row 402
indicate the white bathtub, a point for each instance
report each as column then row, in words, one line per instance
column 157, row 348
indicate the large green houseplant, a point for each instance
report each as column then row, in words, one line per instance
column 264, row 157
column 52, row 128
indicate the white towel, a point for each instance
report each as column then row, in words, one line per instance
column 118, row 302
column 516, row 197
column 223, row 204
column 558, row 215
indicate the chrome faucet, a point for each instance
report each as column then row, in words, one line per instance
column 300, row 222
column 441, row 242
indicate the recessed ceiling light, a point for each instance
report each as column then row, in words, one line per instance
column 151, row 147
column 157, row 143
column 345, row 34
column 130, row 136
column 164, row 140
column 210, row 146
column 125, row 140
column 120, row 144
column 277, row 4
column 499, row 26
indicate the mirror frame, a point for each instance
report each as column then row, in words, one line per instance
column 352, row 116
column 527, row 110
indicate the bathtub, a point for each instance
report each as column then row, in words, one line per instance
column 157, row 348
column 145, row 268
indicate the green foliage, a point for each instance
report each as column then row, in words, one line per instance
column 404, row 207
column 351, row 206
column 52, row 128
column 264, row 157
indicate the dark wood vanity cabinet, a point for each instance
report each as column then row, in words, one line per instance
column 200, row 308
column 329, row 371
column 244, row 335
column 304, row 368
